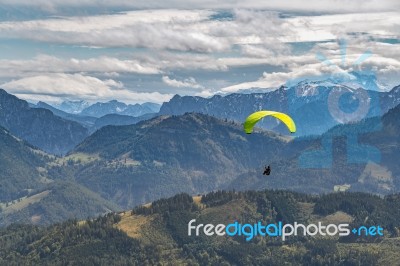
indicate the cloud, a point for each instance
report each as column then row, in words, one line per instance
column 205, row 93
column 269, row 81
column 384, row 62
column 189, row 83
column 388, row 75
column 154, row 29
column 181, row 30
column 292, row 5
column 264, row 51
column 77, row 86
column 294, row 66
column 184, row 61
column 207, row 45
column 52, row 64
column 276, row 79
column 197, row 30
column 330, row 27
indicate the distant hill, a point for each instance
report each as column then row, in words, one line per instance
column 55, row 202
column 29, row 194
column 169, row 154
column 119, row 120
column 116, row 107
column 40, row 127
column 154, row 107
column 157, row 233
column 19, row 164
column 86, row 121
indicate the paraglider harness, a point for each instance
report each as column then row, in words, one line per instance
column 267, row 170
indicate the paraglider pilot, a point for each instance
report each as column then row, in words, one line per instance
column 267, row 170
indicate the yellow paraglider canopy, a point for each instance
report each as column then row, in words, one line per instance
column 252, row 119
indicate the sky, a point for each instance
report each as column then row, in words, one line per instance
column 148, row 51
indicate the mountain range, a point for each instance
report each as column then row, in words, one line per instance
column 72, row 107
column 316, row 106
column 114, row 107
column 313, row 105
column 93, row 123
column 99, row 109
column 119, row 167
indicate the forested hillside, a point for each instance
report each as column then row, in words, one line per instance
column 157, row 233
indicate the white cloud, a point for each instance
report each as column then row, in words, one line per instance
column 51, row 64
column 77, row 86
column 193, row 30
column 384, row 62
column 181, row 30
column 263, row 51
column 330, row 27
column 267, row 81
column 188, row 83
column 189, row 40
column 169, row 60
column 292, row 5
column 155, row 29
column 276, row 79
column 205, row 93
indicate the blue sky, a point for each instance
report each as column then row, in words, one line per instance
column 135, row 51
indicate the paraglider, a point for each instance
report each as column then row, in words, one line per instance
column 252, row 119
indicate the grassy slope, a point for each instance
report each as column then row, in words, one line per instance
column 58, row 202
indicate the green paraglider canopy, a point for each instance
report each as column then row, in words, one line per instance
column 252, row 119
